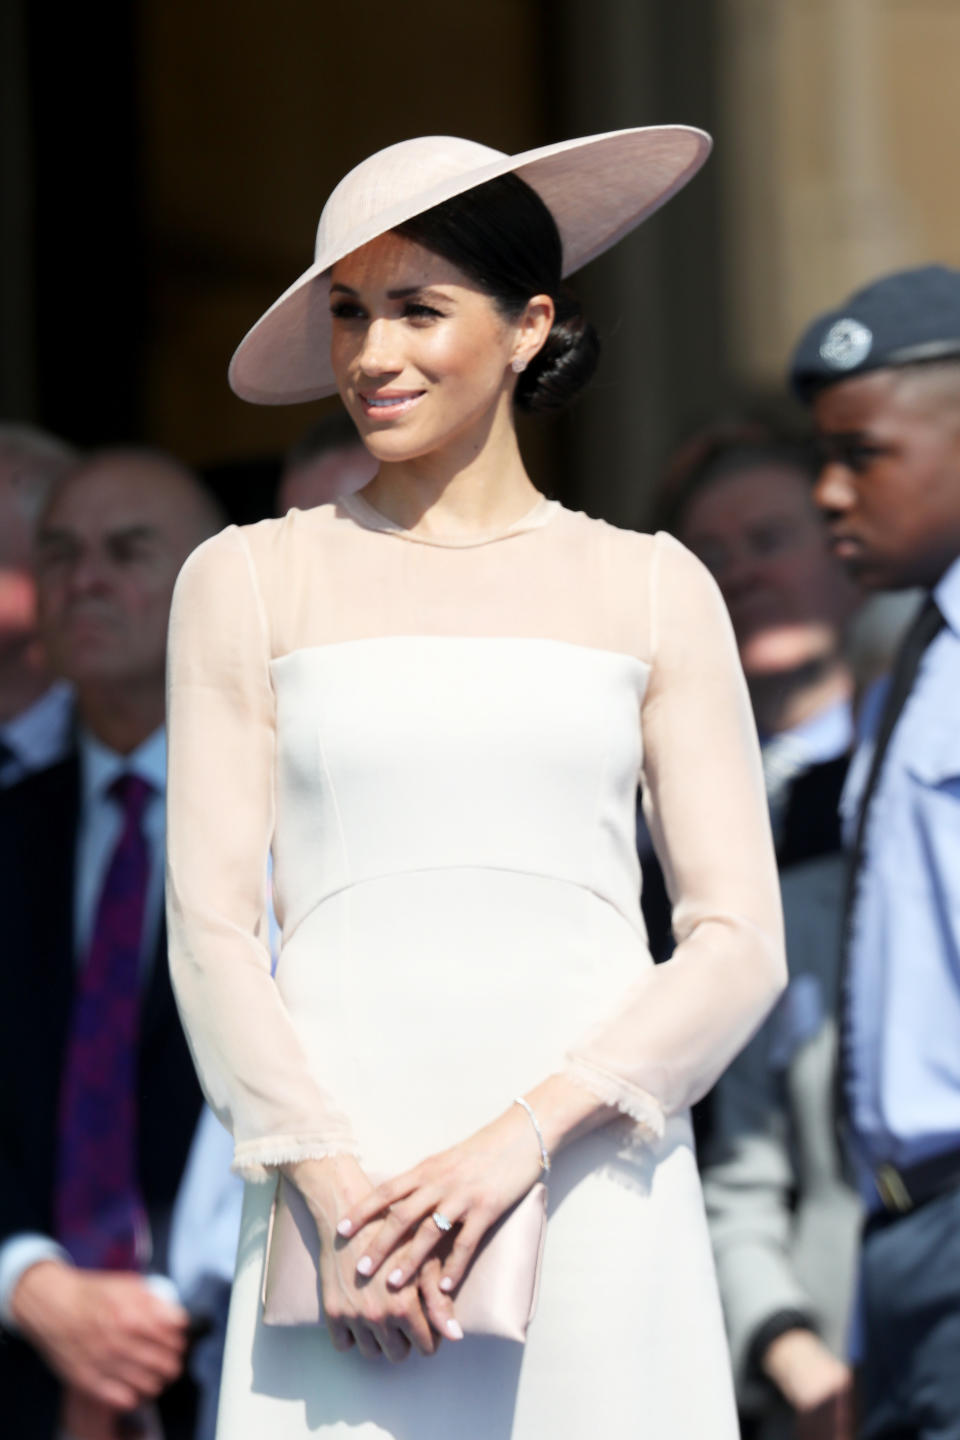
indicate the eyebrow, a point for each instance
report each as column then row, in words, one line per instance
column 402, row 294
column 52, row 535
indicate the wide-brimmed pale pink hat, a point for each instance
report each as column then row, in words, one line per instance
column 597, row 189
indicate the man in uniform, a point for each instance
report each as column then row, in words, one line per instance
column 882, row 375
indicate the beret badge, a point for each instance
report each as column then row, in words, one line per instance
column 846, row 344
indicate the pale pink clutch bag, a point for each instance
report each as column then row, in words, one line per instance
column 497, row 1296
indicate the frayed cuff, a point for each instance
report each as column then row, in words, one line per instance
column 638, row 1105
column 259, row 1160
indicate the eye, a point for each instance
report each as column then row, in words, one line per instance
column 346, row 310
column 854, row 455
column 54, row 555
column 771, row 539
column 131, row 552
column 418, row 311
column 859, row 458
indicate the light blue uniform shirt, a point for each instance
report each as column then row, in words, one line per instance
column 903, row 1005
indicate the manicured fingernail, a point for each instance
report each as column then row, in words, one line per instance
column 395, row 1277
column 364, row 1265
column 454, row 1330
column 345, row 1227
column 446, row 1283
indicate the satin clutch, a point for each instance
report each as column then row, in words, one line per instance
column 497, row 1296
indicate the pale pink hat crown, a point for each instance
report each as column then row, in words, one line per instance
column 376, row 194
column 597, row 189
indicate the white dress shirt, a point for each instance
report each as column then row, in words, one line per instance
column 39, row 736
column 100, row 825
column 824, row 736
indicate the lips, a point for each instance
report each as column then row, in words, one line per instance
column 845, row 546
column 389, row 404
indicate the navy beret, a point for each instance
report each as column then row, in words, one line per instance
column 909, row 316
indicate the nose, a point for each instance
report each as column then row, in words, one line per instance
column 833, row 491
column 378, row 353
column 87, row 575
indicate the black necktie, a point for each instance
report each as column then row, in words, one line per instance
column 927, row 624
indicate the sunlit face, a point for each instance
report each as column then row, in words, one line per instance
column 108, row 552
column 759, row 533
column 890, row 484
column 421, row 354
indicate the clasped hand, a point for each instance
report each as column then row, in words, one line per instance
column 104, row 1334
column 387, row 1271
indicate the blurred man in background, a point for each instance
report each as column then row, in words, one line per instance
column 741, row 499
column 882, row 376
column 740, row 496
column 35, row 709
column 783, row 1219
column 98, row 1097
column 328, row 461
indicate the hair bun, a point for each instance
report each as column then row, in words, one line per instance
column 564, row 364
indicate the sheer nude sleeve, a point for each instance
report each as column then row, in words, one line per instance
column 677, row 1029
column 220, row 811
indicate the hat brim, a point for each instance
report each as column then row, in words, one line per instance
column 597, row 189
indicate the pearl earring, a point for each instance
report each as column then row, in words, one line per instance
column 517, row 365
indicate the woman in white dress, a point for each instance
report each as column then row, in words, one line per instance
column 434, row 702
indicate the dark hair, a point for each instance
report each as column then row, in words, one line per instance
column 503, row 236
column 727, row 448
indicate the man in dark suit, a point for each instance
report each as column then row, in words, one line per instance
column 98, row 1099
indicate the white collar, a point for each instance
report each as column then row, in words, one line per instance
column 824, row 736
column 100, row 766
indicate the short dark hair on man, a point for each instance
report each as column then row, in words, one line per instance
column 725, row 448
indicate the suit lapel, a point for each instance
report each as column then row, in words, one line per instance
column 46, row 970
column 51, row 825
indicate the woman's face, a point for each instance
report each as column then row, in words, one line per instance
column 421, row 354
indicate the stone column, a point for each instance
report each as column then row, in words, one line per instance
column 654, row 296
column 814, row 94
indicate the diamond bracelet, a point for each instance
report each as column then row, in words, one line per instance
column 544, row 1152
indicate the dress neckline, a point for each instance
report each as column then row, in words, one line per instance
column 540, row 514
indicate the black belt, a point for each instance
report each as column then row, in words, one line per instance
column 904, row 1190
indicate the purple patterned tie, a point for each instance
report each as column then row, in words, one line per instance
column 100, row 1217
